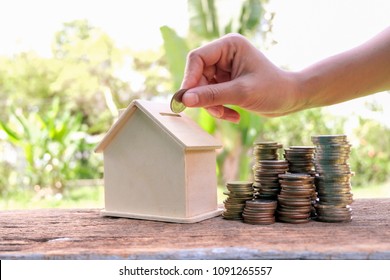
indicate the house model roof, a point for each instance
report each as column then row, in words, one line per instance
column 181, row 128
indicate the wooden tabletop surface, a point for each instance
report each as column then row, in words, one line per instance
column 85, row 234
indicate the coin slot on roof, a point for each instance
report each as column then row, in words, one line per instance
column 169, row 114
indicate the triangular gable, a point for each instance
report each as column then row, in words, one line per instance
column 180, row 127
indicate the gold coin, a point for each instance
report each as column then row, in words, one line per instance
column 177, row 105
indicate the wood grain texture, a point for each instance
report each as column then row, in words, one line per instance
column 84, row 234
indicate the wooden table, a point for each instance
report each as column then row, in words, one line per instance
column 84, row 234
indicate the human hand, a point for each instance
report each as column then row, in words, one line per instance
column 232, row 71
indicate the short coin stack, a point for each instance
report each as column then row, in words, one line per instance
column 259, row 212
column 294, row 200
column 266, row 174
column 333, row 179
column 238, row 193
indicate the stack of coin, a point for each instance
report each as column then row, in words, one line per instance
column 259, row 212
column 238, row 193
column 300, row 159
column 333, row 179
column 294, row 200
column 266, row 178
column 266, row 150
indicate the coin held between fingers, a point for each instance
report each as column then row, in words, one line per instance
column 177, row 105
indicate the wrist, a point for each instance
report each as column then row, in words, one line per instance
column 303, row 89
column 298, row 92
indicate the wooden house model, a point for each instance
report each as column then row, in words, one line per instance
column 159, row 165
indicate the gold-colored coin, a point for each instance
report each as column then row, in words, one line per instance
column 177, row 105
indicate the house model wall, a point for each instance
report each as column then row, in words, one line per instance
column 159, row 166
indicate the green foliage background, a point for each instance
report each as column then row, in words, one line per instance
column 54, row 110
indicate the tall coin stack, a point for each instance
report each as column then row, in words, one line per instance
column 294, row 200
column 333, row 179
column 266, row 184
column 301, row 160
column 238, row 193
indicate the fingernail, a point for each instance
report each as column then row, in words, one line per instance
column 190, row 99
column 232, row 119
column 215, row 112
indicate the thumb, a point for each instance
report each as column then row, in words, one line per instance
column 214, row 94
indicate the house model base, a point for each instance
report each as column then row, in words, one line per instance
column 189, row 220
column 159, row 166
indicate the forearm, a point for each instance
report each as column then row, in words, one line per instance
column 351, row 74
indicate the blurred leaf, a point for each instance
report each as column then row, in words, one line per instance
column 229, row 27
column 12, row 135
column 175, row 53
column 212, row 15
column 24, row 123
column 198, row 19
column 207, row 122
column 203, row 18
column 251, row 15
column 29, row 153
